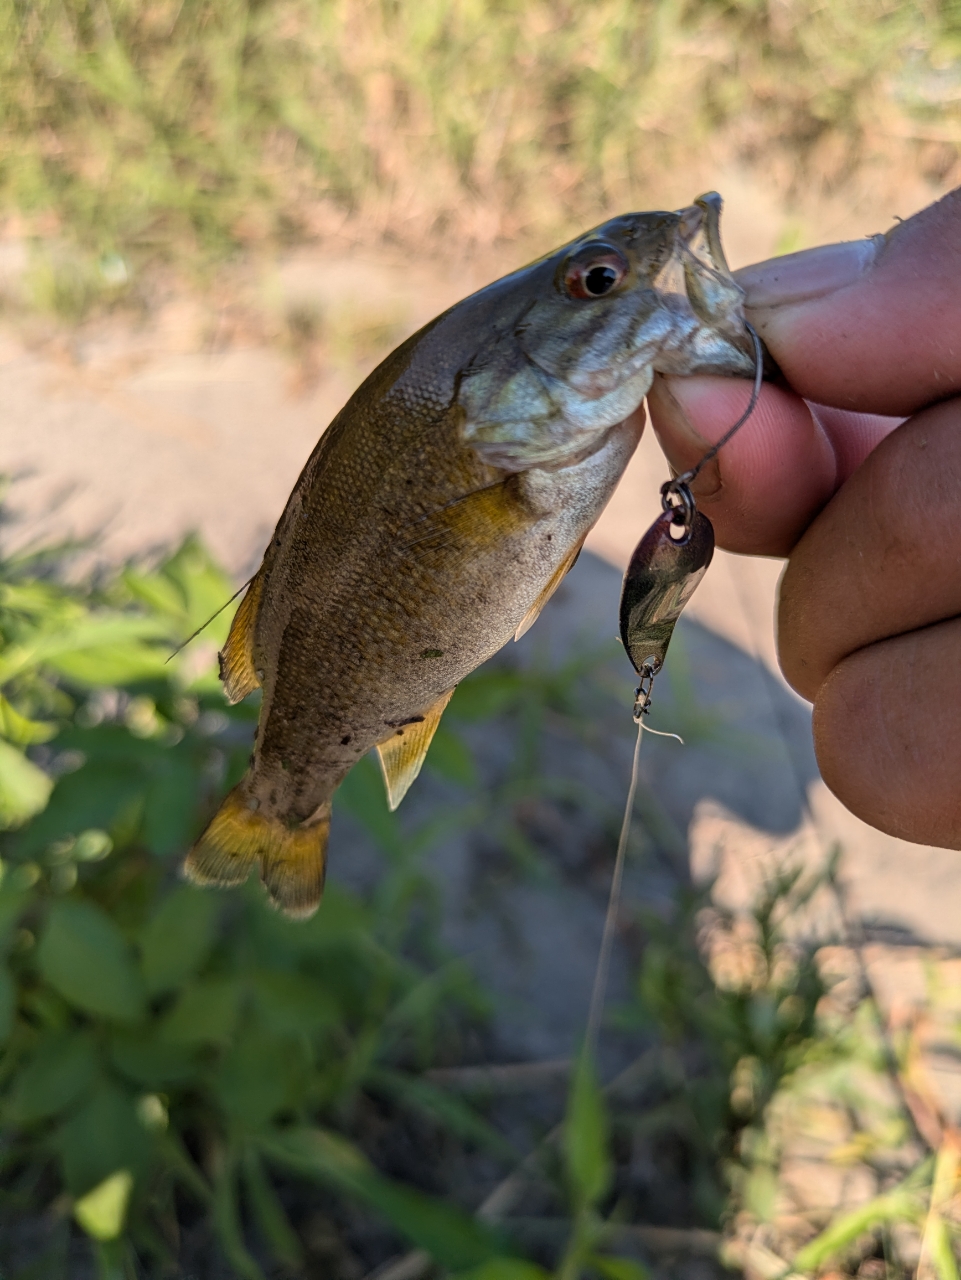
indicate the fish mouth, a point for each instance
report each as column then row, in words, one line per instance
column 699, row 234
column 696, row 284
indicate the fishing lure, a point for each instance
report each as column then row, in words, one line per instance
column 668, row 563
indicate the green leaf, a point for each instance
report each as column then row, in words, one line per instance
column 362, row 794
column 101, row 1212
column 505, row 1269
column 125, row 662
column 451, row 1236
column 486, row 694
column 86, row 647
column 450, row 757
column 586, row 1148
column 20, row 730
column 204, row 588
column 178, row 938
column 149, row 1061
column 440, row 1107
column 159, row 593
column 227, row 1221
column 206, row 1013
column 104, row 1135
column 289, row 1003
column 448, row 1234
column 901, row 1203
column 61, row 1070
column 8, row 1003
column 269, row 1212
column 24, row 788
column 84, row 956
column 938, row 1240
column 15, row 896
column 170, row 808
column 93, row 797
column 259, row 1077
column 619, row 1268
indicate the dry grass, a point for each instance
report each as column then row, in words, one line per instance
column 186, row 129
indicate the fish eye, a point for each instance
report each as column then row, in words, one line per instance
column 594, row 271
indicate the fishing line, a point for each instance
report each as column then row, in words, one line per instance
column 607, row 937
column 183, row 644
column 664, row 570
column 688, row 476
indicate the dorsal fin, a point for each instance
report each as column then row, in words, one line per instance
column 402, row 754
column 533, row 613
column 237, row 669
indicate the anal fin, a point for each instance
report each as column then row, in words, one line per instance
column 555, row 580
column 402, row 754
column 237, row 669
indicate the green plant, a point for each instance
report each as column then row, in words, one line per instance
column 160, row 1042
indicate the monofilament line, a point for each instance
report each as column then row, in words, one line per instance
column 715, row 449
column 610, row 920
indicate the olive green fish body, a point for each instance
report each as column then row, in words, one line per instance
column 438, row 511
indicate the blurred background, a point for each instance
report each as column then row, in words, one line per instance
column 215, row 220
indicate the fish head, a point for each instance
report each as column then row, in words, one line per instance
column 590, row 324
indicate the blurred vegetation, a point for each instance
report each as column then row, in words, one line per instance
column 188, row 1080
column 186, row 129
column 169, row 1053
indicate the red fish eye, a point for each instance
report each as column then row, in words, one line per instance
column 593, row 274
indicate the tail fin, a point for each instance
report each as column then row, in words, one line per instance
column 292, row 861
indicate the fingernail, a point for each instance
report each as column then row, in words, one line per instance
column 812, row 273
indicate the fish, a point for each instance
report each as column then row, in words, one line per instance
column 439, row 512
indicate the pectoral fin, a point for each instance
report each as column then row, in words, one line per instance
column 402, row 754
column 237, row 669
column 533, row 613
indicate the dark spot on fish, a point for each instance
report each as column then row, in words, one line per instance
column 432, row 653
column 410, row 720
column 345, row 739
column 550, row 537
column 273, row 797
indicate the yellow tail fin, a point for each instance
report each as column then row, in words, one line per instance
column 292, row 861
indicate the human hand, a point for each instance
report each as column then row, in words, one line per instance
column 868, row 511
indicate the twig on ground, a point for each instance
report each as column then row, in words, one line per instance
column 500, row 1078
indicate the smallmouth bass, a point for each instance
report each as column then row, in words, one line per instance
column 440, row 510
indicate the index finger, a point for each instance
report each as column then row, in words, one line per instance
column 872, row 325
